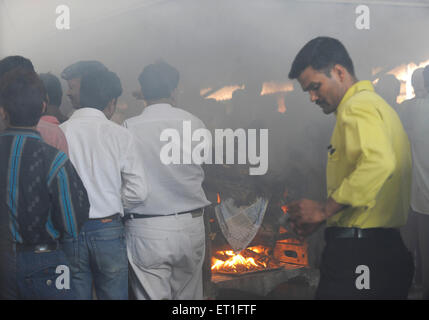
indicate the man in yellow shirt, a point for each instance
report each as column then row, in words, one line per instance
column 368, row 181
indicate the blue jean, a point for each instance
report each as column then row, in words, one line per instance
column 33, row 276
column 99, row 256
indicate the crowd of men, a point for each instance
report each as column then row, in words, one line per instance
column 93, row 197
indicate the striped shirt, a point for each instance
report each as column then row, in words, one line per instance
column 42, row 195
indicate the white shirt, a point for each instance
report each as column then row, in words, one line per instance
column 175, row 188
column 417, row 127
column 105, row 158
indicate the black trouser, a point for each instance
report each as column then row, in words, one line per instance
column 374, row 267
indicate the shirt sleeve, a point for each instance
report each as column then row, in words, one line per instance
column 69, row 197
column 367, row 143
column 134, row 184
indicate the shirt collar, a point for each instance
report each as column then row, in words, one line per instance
column 50, row 119
column 158, row 106
column 88, row 112
column 20, row 132
column 364, row 85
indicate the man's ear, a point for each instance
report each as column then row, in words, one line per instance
column 111, row 108
column 340, row 72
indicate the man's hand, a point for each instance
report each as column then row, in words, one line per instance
column 304, row 230
column 307, row 215
column 306, row 211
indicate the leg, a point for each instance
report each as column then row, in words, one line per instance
column 187, row 277
column 77, row 254
column 409, row 235
column 109, row 261
column 151, row 252
column 424, row 252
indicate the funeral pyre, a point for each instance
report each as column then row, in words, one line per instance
column 273, row 246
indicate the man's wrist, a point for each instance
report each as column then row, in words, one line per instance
column 330, row 208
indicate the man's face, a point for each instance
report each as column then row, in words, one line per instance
column 324, row 91
column 74, row 92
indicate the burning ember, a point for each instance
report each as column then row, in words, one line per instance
column 251, row 259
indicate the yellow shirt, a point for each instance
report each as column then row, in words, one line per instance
column 369, row 162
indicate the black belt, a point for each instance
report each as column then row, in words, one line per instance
column 357, row 233
column 37, row 248
column 113, row 217
column 195, row 213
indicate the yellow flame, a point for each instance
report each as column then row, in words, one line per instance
column 276, row 87
column 204, row 91
column 224, row 93
column 236, row 260
column 269, row 87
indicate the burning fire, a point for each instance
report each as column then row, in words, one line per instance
column 251, row 259
column 222, row 94
column 404, row 73
column 281, row 103
column 272, row 87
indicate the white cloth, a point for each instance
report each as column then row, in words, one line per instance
column 416, row 124
column 175, row 188
column 240, row 225
column 104, row 155
column 166, row 255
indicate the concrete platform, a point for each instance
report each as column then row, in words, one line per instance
column 269, row 284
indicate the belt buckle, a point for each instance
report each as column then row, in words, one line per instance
column 42, row 249
column 197, row 214
column 358, row 233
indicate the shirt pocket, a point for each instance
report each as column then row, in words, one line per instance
column 333, row 154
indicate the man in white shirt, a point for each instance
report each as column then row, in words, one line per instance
column 165, row 235
column 104, row 156
column 416, row 232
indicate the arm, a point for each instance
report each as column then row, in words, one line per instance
column 69, row 198
column 134, row 187
column 368, row 145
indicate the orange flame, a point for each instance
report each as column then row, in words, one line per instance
column 276, row 87
column 218, row 198
column 237, row 263
column 281, row 103
column 224, row 93
column 284, row 209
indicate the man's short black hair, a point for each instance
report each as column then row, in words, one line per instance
column 321, row 53
column 12, row 62
column 426, row 77
column 80, row 68
column 98, row 88
column 22, row 95
column 158, row 81
column 53, row 88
